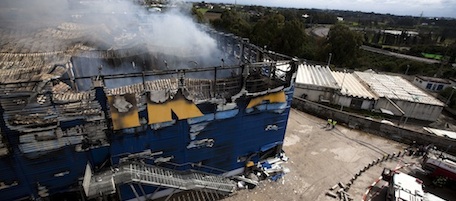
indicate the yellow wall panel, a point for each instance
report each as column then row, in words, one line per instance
column 277, row 97
column 158, row 113
column 183, row 108
column 127, row 115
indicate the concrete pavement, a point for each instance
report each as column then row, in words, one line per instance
column 319, row 159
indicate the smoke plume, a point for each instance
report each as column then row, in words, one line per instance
column 111, row 24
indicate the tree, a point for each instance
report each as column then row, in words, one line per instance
column 198, row 15
column 446, row 93
column 343, row 44
column 234, row 22
column 266, row 31
column 293, row 39
column 452, row 53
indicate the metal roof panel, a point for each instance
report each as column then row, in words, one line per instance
column 395, row 87
column 351, row 86
column 316, row 75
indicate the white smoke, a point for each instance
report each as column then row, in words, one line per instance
column 175, row 30
column 116, row 23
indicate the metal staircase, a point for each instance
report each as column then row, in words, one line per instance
column 195, row 195
column 104, row 183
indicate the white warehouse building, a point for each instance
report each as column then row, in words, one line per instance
column 315, row 83
column 366, row 90
column 401, row 97
column 353, row 93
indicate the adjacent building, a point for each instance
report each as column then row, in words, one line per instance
column 368, row 90
column 431, row 83
column 315, row 83
column 401, row 97
column 353, row 93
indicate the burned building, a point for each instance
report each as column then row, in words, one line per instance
column 88, row 108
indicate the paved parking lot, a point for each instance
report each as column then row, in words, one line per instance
column 320, row 158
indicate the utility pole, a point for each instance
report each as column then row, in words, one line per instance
column 342, row 88
column 451, row 95
column 329, row 60
column 406, row 71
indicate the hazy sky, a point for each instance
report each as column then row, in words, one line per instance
column 430, row 8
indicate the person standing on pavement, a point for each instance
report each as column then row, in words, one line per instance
column 329, row 124
column 334, row 122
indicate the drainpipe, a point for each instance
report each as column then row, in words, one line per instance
column 398, row 108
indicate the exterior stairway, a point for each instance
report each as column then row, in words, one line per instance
column 104, row 183
column 195, row 195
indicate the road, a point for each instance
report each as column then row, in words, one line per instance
column 320, row 31
column 319, row 159
column 323, row 31
column 403, row 56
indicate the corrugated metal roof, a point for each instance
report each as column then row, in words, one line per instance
column 441, row 133
column 395, row 87
column 351, row 86
column 316, row 75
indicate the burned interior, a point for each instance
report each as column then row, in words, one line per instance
column 40, row 89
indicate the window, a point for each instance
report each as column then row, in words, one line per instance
column 440, row 87
column 356, row 103
column 428, row 86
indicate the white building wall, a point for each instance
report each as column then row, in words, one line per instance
column 344, row 101
column 420, row 111
column 314, row 93
column 368, row 105
column 433, row 86
column 383, row 103
column 420, row 83
column 413, row 110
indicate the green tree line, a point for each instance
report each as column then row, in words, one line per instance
column 284, row 31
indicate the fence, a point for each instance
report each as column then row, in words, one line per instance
column 358, row 122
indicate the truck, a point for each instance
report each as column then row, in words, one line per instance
column 441, row 167
column 403, row 187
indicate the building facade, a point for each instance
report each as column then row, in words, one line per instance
column 431, row 83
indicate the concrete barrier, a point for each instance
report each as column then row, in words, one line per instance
column 353, row 179
column 392, row 132
column 331, row 194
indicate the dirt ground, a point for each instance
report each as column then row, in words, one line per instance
column 320, row 158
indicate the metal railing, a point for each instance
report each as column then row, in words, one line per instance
column 102, row 183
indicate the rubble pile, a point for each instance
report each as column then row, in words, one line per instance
column 268, row 169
